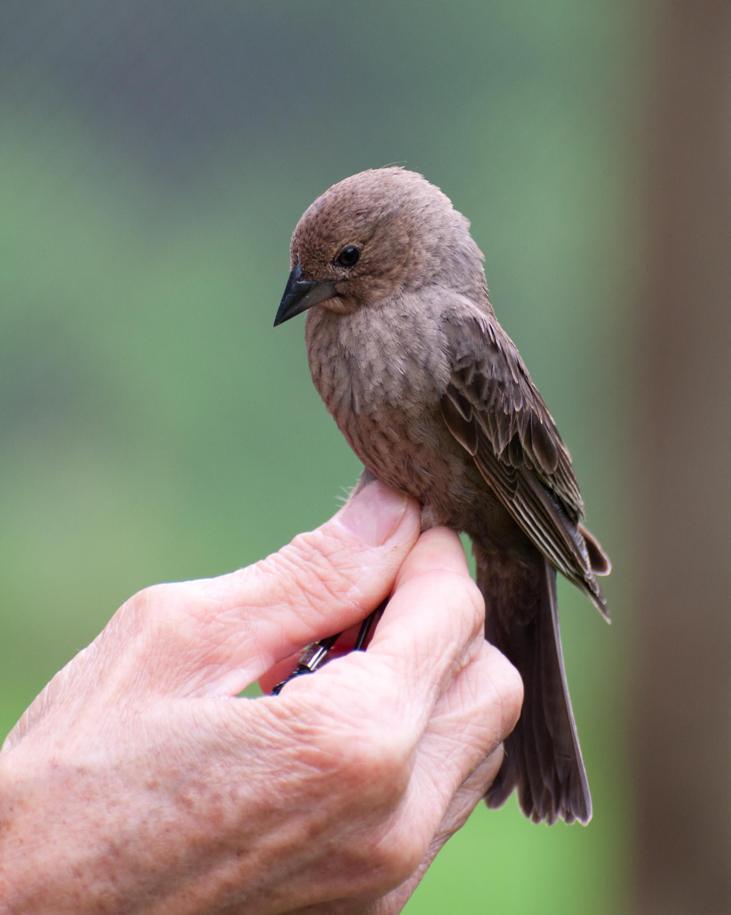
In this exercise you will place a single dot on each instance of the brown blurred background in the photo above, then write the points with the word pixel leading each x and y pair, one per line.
pixel 680 705
pixel 154 158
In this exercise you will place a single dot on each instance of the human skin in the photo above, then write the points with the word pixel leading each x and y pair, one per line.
pixel 137 782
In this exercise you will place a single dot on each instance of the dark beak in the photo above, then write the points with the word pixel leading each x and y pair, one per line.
pixel 299 295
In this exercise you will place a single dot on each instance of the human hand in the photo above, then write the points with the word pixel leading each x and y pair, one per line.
pixel 138 783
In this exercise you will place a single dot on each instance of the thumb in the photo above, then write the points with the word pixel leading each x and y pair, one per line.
pixel 323 582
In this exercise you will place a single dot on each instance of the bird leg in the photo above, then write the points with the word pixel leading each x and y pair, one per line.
pixel 368 626
pixel 311 659
pixel 315 655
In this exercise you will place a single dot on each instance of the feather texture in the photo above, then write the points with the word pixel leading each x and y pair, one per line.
pixel 543 760
pixel 494 410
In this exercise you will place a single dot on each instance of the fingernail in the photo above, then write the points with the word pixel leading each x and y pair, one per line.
pixel 374 513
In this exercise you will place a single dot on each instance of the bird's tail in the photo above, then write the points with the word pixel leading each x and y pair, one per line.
pixel 542 756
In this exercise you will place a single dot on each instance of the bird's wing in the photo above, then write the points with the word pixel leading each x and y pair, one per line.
pixel 494 410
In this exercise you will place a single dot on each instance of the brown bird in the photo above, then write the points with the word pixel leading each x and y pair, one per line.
pixel 434 398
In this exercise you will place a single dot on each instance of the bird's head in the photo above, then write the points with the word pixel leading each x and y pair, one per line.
pixel 374 236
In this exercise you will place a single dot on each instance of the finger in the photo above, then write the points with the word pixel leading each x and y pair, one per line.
pixel 440 549
pixel 224 632
pixel 463 803
pixel 469 795
pixel 421 642
pixel 474 716
pixel 457 761
pixel 434 615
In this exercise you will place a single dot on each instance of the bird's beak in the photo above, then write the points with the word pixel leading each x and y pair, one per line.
pixel 299 295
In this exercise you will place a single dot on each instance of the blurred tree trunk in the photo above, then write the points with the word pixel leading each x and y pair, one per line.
pixel 681 763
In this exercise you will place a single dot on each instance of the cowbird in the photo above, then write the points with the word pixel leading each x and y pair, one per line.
pixel 434 398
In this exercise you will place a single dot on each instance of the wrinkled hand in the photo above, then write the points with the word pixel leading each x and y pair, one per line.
pixel 137 782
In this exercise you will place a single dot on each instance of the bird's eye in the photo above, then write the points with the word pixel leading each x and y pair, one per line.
pixel 348 257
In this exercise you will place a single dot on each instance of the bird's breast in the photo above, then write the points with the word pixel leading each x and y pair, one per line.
pixel 383 386
pixel 377 360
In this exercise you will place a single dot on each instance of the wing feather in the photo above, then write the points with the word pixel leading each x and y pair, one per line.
pixel 496 413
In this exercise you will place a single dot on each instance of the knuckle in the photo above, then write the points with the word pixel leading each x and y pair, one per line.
pixel 162 611
pixel 374 768
pixel 508 688
pixel 316 569
pixel 396 856
pixel 459 593
pixel 146 604
pixel 472 598
pixel 375 860
pixel 347 738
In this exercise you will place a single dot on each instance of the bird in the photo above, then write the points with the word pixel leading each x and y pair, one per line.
pixel 434 398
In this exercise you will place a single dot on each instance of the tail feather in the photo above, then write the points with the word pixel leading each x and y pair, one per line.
pixel 600 563
pixel 542 756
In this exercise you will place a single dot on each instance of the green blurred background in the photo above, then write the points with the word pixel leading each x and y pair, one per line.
pixel 154 159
